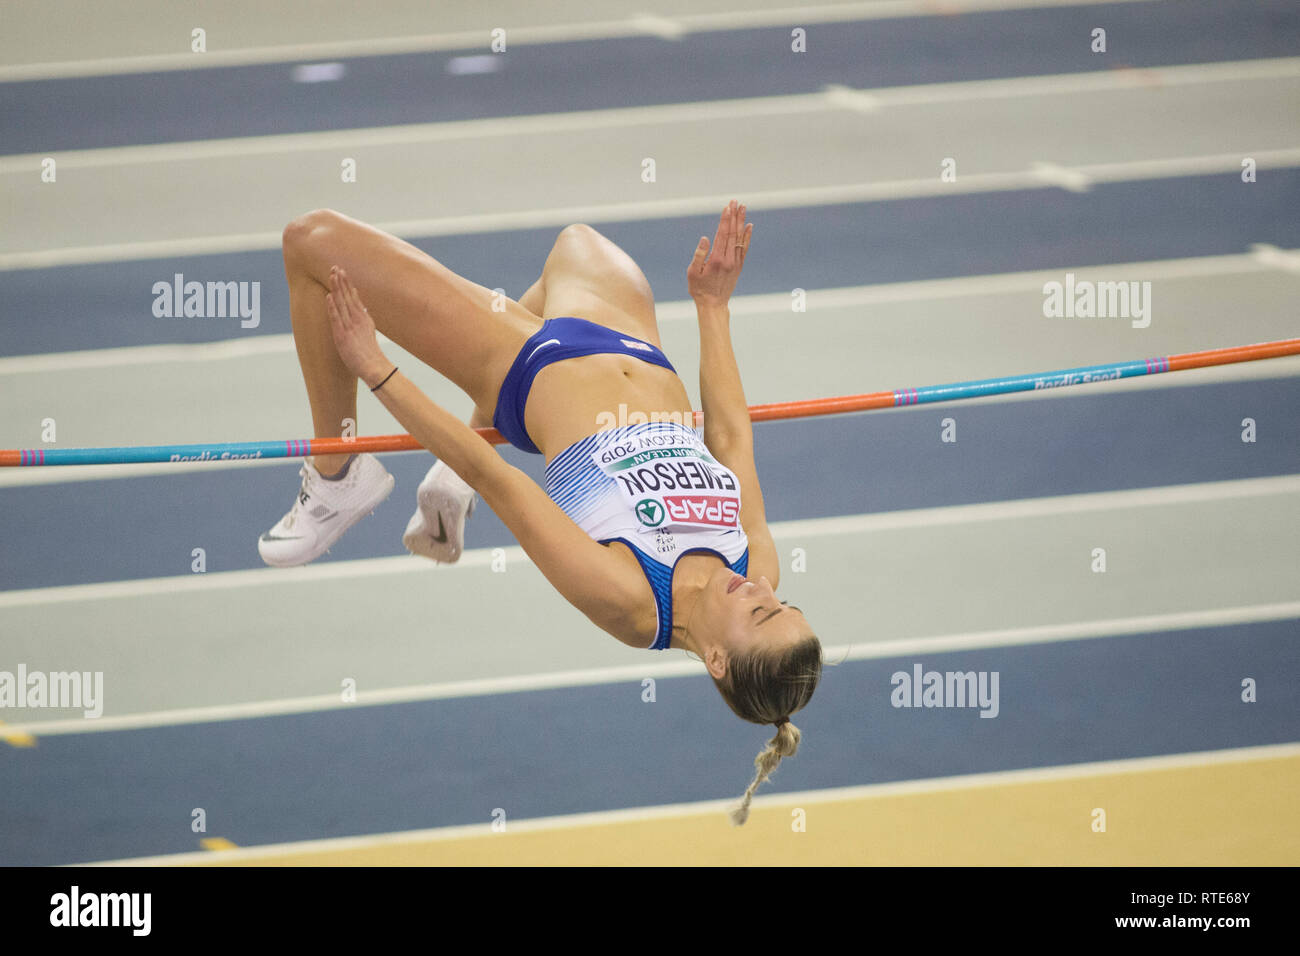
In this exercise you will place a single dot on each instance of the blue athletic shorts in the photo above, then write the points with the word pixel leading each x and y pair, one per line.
pixel 558 339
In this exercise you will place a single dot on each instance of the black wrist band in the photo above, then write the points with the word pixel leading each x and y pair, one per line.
pixel 386 378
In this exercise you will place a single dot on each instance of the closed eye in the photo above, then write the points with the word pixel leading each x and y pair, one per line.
pixel 774 613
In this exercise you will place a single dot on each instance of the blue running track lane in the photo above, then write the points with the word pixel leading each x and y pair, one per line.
pixel 79 113
pixel 106 305
pixel 118 794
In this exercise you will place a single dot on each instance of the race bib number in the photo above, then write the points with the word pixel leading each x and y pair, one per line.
pixel 671 480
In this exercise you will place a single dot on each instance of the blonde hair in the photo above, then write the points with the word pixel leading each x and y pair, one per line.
pixel 784 744
pixel 766 688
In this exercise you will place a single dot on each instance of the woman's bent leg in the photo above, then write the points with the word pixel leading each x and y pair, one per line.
pixel 461 329
pixel 331 388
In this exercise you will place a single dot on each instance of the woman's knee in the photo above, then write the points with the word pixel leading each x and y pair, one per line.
pixel 578 231
pixel 305 235
pixel 573 242
pixel 577 250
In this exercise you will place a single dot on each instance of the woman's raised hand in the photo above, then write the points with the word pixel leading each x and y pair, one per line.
pixel 354 330
pixel 711 276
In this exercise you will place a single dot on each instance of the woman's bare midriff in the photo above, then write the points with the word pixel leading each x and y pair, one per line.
pixel 578 397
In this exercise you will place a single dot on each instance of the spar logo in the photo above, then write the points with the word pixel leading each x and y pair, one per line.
pixel 715 510
pixel 649 512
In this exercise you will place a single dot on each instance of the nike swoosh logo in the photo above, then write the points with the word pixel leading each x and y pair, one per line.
pixel 542 346
pixel 441 536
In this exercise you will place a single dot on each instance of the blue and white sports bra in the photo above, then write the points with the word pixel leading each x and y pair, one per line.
pixel 656 488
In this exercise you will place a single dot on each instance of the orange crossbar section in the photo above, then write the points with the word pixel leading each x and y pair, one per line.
pixel 859 403
pixel 1240 353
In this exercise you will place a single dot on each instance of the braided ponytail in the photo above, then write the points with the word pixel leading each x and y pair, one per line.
pixel 784 744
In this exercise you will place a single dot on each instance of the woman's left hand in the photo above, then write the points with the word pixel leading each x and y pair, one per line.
pixel 354 330
pixel 711 276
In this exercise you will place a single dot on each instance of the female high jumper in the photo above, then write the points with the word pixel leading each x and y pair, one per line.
pixel 655 530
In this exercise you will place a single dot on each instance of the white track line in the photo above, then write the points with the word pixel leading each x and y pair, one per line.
pixel 557 217
pixel 1002 778
pixel 831 99
pixel 1021 509
pixel 906 647
pixel 1262 258
pixel 641 25
pixel 256 577
pixel 1288 260
pixel 247 347
pixel 1016 510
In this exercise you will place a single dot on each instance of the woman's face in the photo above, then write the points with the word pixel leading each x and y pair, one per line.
pixel 740 615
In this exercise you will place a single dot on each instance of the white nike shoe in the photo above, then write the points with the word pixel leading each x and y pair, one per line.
pixel 324 510
pixel 437 529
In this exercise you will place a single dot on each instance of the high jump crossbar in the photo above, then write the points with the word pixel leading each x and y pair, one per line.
pixel 302 447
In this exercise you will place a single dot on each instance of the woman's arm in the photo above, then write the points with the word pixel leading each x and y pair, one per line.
pixel 711 280
pixel 584 572
pixel 732 441
pixel 435 428
pixel 726 413
pixel 728 431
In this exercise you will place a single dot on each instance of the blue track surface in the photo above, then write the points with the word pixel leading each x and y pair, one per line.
pixel 103 306
pixel 580 749
pixel 50 115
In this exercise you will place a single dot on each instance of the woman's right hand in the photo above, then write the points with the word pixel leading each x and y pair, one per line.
pixel 711 278
pixel 354 330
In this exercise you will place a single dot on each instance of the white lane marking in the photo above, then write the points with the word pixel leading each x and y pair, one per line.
pixel 249 346
pixel 252 577
pixel 865 524
pixel 936 644
pixel 1263 258
pixel 1093 81
pixel 843 97
pixel 664 28
pixel 1054 175
pixel 1025 508
pixel 221 350
pixel 704 111
pixel 555 217
pixel 524 35
pixel 1287 260
pixel 1077 631
pixel 997 778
